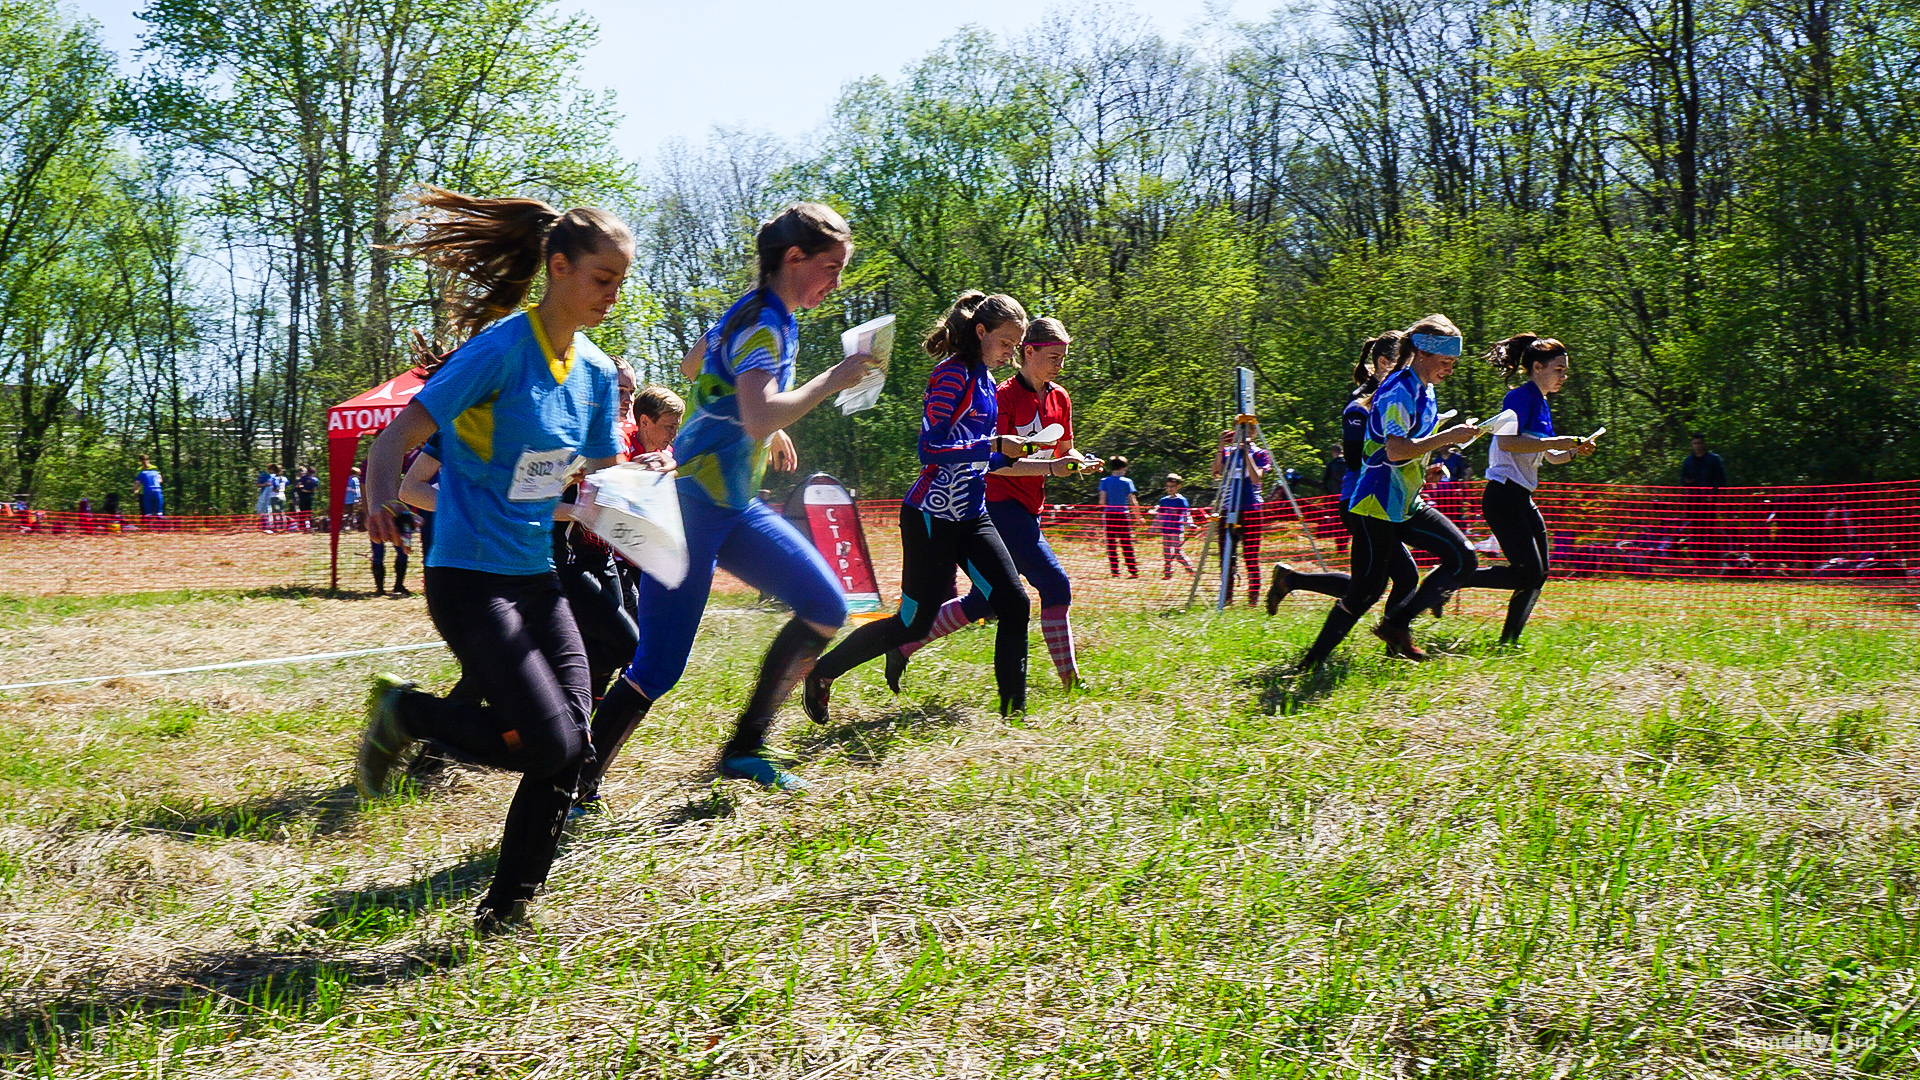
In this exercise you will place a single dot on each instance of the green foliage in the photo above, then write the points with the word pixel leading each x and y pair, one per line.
pixel 1712 202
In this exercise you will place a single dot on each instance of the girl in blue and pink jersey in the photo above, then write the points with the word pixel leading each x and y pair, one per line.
pixel 944 525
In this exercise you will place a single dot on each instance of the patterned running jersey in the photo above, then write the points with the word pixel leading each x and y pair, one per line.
pixel 960 417
pixel 1402 406
pixel 718 462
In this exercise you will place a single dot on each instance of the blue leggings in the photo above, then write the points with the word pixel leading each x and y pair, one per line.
pixel 1032 556
pixel 753 544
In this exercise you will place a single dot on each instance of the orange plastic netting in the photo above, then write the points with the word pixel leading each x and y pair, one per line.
pixel 1839 554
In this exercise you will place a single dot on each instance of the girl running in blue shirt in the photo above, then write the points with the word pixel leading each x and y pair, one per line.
pixel 1376 357
pixel 523 397
pixel 744 395
pixel 1386 501
pixel 1513 471
pixel 944 525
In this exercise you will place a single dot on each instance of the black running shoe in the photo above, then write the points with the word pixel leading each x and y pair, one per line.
pixel 814 692
pixel 492 921
pixel 1280 589
pixel 896 667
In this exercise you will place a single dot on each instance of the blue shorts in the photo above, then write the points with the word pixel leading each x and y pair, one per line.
pixel 755 545
pixel 1032 556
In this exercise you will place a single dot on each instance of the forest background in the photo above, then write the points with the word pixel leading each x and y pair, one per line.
pixel 1714 202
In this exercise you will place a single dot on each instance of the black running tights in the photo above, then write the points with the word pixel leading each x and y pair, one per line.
pixel 1522 533
pixel 933 549
pixel 518 647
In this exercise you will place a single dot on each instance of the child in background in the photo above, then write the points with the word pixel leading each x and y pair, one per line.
pixel 1173 514
pixel 352 511
pixel 1118 506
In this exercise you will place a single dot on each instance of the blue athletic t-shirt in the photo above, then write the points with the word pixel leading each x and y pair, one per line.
pixel 1536 419
pixel 1173 514
pixel 516 415
pixel 1406 407
pixel 149 481
pixel 718 462
pixel 1115 490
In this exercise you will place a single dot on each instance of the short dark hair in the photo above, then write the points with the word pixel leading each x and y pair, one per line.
pixel 1116 463
pixel 1697 435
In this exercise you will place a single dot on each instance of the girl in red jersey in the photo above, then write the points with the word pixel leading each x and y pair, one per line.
pixel 1029 401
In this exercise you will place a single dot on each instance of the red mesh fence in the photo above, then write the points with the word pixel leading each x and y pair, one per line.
pixel 1832 554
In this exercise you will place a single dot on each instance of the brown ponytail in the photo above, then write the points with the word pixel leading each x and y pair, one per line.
pixel 494 248
pixel 954 333
pixel 810 226
pixel 1517 356
pixel 1378 359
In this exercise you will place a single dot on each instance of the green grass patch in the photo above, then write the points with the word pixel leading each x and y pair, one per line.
pixel 1619 851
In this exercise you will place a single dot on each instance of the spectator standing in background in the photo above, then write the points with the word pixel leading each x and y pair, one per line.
pixel 1334 479
pixel 1703 474
pixel 304 489
pixel 263 500
pixel 1172 515
pixel 153 501
pixel 351 515
pixel 1703 468
pixel 1255 464
pixel 1118 505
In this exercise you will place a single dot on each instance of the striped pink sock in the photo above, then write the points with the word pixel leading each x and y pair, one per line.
pixel 949 618
pixel 1059 634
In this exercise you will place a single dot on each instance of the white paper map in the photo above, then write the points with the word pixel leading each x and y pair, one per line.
pixel 875 338
pixel 637 512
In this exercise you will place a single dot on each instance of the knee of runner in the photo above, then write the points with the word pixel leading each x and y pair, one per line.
pixel 560 744
pixel 825 613
pixel 1358 603
pixel 1012 605
pixel 1467 562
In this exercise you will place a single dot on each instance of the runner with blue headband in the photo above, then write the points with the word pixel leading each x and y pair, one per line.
pixel 1377 357
pixel 1386 502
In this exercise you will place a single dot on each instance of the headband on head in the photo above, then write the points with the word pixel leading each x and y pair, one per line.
pixel 1441 344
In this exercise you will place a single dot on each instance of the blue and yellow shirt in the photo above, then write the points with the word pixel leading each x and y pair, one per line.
pixel 1406 407
pixel 514 416
pixel 718 462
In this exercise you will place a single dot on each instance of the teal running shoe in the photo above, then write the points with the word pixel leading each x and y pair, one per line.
pixel 385 738
pixel 761 771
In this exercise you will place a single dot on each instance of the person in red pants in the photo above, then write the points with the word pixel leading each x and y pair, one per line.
pixel 1119 505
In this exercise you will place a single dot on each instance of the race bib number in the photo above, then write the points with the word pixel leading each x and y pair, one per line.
pixel 540 475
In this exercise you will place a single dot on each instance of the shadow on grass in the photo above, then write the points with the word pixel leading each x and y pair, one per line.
pixel 868 742
pixel 381 909
pixel 324 810
pixel 278 982
pixel 1284 690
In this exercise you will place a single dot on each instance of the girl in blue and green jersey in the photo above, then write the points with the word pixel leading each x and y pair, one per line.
pixel 1386 504
pixel 745 393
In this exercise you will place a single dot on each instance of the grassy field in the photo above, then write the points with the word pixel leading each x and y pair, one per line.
pixel 1632 849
